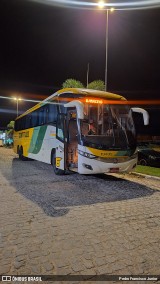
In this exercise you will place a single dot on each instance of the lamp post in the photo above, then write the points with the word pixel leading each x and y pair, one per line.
pixel 101 5
pixel 17 100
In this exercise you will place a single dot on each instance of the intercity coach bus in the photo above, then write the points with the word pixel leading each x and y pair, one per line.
pixel 82 130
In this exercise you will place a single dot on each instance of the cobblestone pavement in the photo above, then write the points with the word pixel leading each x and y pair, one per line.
pixel 76 224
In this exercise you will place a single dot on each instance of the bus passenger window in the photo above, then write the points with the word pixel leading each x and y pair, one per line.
pixel 34 119
pixel 27 121
pixel 22 123
pixel 45 114
pixel 60 130
pixel 52 113
pixel 41 116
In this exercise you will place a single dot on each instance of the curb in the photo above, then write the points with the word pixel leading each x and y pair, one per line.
pixel 146 176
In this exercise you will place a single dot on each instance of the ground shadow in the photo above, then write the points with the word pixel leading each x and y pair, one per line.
pixel 56 194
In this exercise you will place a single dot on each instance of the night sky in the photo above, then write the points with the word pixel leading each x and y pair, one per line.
pixel 41 46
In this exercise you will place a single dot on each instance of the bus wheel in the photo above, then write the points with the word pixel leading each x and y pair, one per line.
pixel 20 153
pixel 56 170
pixel 143 162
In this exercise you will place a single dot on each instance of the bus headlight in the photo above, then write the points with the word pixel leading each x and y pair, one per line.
pixel 87 155
pixel 152 157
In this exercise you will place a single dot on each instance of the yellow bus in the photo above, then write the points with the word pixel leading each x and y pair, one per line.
pixel 82 130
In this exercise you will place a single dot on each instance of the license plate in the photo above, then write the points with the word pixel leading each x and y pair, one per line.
pixel 114 170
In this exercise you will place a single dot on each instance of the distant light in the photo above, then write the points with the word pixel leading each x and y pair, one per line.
pixel 101 4
pixel 17 99
pixel 26 100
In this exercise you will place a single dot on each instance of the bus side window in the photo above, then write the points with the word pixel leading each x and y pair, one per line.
pixel 27 121
pixel 34 119
pixel 17 125
pixel 20 124
pixel 60 127
pixel 41 116
pixel 23 122
pixel 45 114
pixel 52 113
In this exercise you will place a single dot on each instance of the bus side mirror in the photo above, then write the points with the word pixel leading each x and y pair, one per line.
pixel 79 107
pixel 143 112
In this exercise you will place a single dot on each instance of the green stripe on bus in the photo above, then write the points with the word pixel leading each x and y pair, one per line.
pixel 34 139
pixel 37 139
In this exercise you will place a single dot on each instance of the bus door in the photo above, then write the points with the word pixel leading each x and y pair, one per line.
pixel 72 145
pixel 61 136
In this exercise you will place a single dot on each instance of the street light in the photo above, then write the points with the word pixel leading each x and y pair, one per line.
pixel 101 5
pixel 17 100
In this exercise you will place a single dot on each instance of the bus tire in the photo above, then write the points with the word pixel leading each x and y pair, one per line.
pixel 20 153
pixel 143 162
pixel 56 170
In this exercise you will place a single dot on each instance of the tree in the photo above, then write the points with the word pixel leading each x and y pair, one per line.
pixel 97 85
pixel 11 124
pixel 10 127
pixel 72 83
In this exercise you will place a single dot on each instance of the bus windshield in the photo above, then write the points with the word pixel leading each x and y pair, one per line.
pixel 108 127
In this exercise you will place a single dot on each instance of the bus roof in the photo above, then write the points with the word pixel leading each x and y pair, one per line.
pixel 80 91
pixel 90 92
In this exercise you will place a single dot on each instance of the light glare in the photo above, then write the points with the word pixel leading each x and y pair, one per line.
pixel 101 4
pixel 123 5
pixel 17 99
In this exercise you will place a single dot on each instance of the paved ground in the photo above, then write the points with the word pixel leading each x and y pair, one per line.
pixel 74 224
